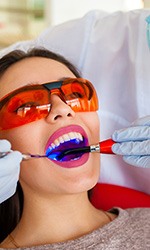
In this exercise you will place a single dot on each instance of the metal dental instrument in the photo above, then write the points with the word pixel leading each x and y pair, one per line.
pixel 24 156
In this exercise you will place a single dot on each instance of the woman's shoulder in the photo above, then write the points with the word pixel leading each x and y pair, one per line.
pixel 132 213
pixel 133 217
pixel 140 213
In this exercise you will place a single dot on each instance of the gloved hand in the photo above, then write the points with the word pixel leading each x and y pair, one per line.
pixel 9 170
pixel 134 143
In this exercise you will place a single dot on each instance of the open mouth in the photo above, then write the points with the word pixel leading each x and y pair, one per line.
pixel 73 139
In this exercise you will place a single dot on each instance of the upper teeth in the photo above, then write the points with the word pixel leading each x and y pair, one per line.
pixel 65 138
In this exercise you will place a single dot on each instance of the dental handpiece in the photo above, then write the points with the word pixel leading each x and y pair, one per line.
pixel 103 147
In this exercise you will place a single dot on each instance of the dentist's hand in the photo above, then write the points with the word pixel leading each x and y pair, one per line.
pixel 9 171
pixel 134 143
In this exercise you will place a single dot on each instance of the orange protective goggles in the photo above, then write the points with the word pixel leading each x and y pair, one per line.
pixel 31 103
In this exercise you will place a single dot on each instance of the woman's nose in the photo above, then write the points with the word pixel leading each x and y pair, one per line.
pixel 59 110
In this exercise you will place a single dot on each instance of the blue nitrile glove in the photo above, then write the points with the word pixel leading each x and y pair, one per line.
pixel 134 143
pixel 9 170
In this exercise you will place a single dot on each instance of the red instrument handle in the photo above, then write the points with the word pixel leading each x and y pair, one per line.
pixel 105 146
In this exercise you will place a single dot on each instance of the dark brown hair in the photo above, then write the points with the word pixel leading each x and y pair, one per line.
pixel 18 55
pixel 11 209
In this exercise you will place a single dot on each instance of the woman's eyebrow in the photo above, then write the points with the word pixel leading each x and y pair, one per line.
pixel 31 83
pixel 63 78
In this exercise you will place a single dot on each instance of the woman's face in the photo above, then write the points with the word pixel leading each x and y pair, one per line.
pixel 43 175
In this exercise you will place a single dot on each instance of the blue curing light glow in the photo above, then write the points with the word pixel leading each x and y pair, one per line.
pixel 54 153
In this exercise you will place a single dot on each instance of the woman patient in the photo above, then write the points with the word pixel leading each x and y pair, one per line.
pixel 45 107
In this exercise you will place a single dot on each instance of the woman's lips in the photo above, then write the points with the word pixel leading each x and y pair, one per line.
pixel 72 136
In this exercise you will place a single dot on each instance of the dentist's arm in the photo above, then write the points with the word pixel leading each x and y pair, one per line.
pixel 9 171
pixel 134 143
